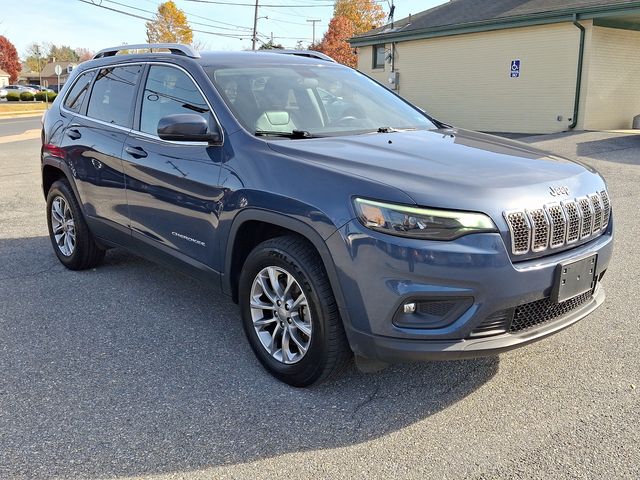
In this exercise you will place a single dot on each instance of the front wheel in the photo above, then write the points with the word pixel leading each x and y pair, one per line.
pixel 71 239
pixel 289 312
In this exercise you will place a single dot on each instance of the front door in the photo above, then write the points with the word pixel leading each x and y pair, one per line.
pixel 172 187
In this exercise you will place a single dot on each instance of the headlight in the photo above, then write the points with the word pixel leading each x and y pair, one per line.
pixel 415 222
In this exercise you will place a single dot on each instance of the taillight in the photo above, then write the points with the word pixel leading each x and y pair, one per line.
pixel 52 150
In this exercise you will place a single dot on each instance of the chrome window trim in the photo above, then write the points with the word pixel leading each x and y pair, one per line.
pixel 138 132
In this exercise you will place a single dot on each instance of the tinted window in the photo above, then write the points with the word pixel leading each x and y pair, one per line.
pixel 378 56
pixel 76 95
pixel 169 91
pixel 113 93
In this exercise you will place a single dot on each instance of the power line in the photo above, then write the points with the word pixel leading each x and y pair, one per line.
pixel 266 5
pixel 228 35
pixel 190 21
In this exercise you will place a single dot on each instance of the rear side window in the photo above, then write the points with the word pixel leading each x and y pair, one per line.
pixel 169 91
pixel 78 92
pixel 113 93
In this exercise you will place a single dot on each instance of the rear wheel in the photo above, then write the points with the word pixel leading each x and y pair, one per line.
pixel 71 239
pixel 289 312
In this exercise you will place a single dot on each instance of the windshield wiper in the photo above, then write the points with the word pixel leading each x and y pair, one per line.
pixel 295 134
pixel 393 130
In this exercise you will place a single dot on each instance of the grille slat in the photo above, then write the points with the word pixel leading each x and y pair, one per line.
pixel 574 221
pixel 587 217
pixel 540 229
pixel 606 209
pixel 558 224
pixel 520 232
pixel 597 212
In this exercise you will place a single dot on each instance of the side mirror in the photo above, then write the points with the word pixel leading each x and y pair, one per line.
pixel 186 127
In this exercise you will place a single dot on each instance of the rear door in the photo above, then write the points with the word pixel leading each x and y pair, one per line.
pixel 94 140
pixel 172 187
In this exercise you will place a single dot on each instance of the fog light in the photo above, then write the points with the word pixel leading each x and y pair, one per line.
pixel 431 312
pixel 409 308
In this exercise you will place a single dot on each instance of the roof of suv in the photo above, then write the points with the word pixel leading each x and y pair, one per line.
pixel 241 58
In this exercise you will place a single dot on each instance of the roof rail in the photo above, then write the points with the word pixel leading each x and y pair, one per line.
pixel 174 48
pixel 301 53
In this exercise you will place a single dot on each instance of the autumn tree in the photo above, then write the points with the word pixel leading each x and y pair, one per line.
pixel 350 17
pixel 335 42
pixel 62 53
pixel 169 26
pixel 9 61
pixel 84 54
pixel 363 14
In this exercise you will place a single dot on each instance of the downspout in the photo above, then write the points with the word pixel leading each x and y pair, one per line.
pixel 576 102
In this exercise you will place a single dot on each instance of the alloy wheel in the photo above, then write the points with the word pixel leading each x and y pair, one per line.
pixel 63 226
pixel 280 315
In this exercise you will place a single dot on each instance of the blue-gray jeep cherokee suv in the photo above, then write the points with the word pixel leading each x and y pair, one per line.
pixel 340 217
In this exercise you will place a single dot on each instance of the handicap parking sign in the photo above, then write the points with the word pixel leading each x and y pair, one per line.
pixel 515 68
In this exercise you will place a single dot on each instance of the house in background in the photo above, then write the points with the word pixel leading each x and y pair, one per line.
pixel 49 77
pixel 4 78
pixel 522 66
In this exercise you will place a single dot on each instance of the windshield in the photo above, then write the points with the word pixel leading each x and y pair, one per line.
pixel 317 100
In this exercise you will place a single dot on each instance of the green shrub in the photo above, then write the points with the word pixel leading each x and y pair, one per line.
pixel 13 97
pixel 26 96
pixel 46 96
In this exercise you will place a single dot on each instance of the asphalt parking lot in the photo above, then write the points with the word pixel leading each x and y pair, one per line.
pixel 132 370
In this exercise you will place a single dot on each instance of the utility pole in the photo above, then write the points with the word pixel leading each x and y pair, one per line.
pixel 313 21
pixel 255 26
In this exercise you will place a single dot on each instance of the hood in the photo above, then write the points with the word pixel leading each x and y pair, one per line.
pixel 450 168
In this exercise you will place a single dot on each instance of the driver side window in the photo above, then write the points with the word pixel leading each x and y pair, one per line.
pixel 169 91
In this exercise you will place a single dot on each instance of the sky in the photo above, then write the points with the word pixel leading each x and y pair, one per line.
pixel 85 23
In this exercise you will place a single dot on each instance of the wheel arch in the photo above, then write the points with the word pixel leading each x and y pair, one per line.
pixel 54 169
pixel 275 224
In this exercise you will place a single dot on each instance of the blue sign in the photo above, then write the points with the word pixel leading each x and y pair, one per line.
pixel 515 68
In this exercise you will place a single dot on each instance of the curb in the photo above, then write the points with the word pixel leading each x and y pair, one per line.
pixel 9 115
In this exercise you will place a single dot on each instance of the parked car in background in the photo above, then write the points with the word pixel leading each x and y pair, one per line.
pixel 20 89
pixel 340 217
pixel 3 93
pixel 39 88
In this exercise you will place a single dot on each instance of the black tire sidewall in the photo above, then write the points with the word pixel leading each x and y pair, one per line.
pixel 311 366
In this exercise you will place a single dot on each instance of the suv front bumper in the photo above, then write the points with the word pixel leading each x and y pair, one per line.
pixel 379 273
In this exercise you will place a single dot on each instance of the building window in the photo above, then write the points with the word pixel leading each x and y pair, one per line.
pixel 379 54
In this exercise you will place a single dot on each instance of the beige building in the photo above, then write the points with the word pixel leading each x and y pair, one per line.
pixel 4 78
pixel 525 66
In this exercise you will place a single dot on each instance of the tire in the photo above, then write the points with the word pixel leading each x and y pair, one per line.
pixel 327 350
pixel 80 251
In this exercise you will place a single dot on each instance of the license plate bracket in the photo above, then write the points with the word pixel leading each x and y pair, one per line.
pixel 574 278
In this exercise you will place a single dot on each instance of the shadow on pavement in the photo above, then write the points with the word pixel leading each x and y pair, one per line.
pixel 131 369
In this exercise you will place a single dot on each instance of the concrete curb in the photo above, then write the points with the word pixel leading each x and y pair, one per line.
pixel 8 115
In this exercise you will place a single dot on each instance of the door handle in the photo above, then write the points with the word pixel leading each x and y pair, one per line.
pixel 136 152
pixel 74 134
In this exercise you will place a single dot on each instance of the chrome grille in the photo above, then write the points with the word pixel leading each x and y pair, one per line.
pixel 596 203
pixel 558 224
pixel 587 217
pixel 606 206
pixel 520 232
pixel 540 233
pixel 574 221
